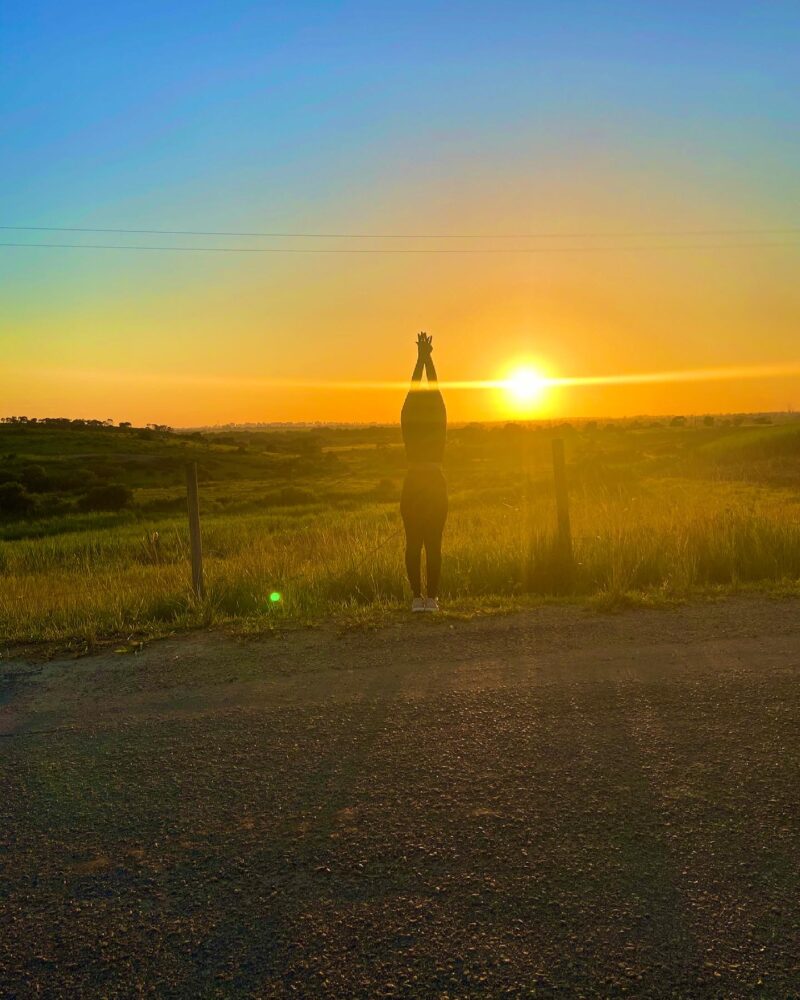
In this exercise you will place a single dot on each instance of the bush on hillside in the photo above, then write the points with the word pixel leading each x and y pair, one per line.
pixel 112 496
pixel 15 501
pixel 35 478
pixel 72 480
pixel 290 496
pixel 386 490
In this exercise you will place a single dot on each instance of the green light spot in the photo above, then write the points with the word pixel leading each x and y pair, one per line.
pixel 274 596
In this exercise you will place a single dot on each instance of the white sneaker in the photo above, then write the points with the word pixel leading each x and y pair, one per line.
pixel 418 604
pixel 431 604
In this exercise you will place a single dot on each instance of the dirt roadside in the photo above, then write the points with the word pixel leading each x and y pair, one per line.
pixel 204 672
pixel 553 803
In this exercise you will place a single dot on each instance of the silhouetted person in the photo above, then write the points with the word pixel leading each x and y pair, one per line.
pixel 423 503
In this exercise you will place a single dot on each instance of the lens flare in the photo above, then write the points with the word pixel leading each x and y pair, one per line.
pixel 524 388
pixel 525 383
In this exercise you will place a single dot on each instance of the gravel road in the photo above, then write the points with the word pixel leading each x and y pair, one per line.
pixel 550 803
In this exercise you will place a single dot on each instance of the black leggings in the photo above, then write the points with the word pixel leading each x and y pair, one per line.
pixel 423 505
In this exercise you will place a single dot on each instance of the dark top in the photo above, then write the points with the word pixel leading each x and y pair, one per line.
pixel 423 421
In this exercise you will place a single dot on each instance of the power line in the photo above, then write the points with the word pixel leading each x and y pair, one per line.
pixel 607 234
pixel 405 250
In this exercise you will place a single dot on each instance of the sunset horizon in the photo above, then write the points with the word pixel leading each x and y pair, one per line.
pixel 399 499
pixel 290 195
pixel 771 389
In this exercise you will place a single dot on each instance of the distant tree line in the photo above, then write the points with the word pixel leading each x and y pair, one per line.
pixel 81 423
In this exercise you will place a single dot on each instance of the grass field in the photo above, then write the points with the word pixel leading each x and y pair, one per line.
pixel 658 512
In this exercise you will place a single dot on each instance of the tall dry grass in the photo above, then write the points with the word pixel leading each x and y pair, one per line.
pixel 670 539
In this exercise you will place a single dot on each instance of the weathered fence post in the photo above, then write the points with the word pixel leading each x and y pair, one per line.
pixel 198 584
pixel 562 500
pixel 527 508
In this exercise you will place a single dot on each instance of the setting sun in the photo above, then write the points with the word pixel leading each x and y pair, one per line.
pixel 524 388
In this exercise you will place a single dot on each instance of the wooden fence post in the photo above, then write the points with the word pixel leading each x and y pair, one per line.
pixel 562 500
pixel 528 549
pixel 198 584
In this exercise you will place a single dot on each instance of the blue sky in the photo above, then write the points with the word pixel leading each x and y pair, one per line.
pixel 487 117
pixel 159 106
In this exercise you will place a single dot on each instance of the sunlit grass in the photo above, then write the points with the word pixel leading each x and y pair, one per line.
pixel 669 539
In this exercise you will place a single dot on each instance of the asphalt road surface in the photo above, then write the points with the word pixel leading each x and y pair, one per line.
pixel 555 803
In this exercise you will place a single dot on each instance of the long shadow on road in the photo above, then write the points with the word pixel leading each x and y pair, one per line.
pixel 532 828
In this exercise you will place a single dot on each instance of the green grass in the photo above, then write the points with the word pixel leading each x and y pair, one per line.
pixel 672 539
pixel 653 521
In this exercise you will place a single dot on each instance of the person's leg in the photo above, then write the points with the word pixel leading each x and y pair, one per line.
pixel 410 512
pixel 414 561
pixel 434 529
pixel 433 561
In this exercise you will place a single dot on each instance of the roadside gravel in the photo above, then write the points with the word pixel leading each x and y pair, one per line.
pixel 551 804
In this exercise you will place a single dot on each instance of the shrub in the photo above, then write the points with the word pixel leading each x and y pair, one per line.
pixel 15 500
pixel 112 496
pixel 386 490
pixel 290 496
pixel 103 470
pixel 72 480
pixel 35 478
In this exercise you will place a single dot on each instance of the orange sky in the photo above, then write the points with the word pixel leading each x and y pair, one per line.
pixel 655 124
pixel 198 341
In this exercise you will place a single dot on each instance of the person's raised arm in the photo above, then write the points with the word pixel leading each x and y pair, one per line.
pixel 430 371
pixel 423 357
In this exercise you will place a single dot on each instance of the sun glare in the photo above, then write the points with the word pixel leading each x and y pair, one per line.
pixel 524 388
